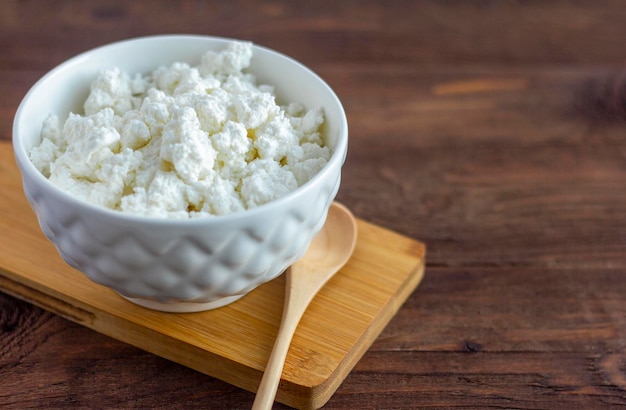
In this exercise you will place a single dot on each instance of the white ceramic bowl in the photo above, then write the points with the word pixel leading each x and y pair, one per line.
pixel 178 265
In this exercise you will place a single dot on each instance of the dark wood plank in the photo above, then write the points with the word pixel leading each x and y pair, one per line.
pixel 49 362
pixel 521 173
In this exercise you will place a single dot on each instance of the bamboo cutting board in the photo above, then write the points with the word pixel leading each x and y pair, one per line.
pixel 232 343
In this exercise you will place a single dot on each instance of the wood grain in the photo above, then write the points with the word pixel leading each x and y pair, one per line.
pixel 493 131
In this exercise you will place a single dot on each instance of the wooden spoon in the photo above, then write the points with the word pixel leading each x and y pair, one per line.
pixel 329 251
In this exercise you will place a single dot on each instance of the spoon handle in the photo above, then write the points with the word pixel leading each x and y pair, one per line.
pixel 330 250
pixel 292 313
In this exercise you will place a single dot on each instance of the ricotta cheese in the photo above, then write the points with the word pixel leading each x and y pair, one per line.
pixel 183 141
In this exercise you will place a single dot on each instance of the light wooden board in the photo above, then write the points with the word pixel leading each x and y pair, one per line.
pixel 232 343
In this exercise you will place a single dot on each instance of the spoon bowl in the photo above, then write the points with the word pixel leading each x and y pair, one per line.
pixel 328 253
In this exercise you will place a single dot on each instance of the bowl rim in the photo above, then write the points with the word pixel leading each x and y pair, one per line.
pixel 338 154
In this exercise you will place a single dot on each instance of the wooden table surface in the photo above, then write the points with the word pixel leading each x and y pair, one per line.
pixel 493 131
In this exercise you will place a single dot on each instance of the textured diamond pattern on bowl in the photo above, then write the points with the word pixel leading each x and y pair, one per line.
pixel 184 267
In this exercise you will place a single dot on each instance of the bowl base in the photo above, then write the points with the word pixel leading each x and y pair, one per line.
pixel 183 307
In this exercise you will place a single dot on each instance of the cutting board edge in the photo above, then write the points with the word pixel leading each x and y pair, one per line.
pixel 44 298
pixel 291 394
pixel 321 394
pixel 127 332
pixel 239 374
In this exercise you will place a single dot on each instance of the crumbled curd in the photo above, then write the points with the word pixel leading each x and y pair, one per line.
pixel 183 141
